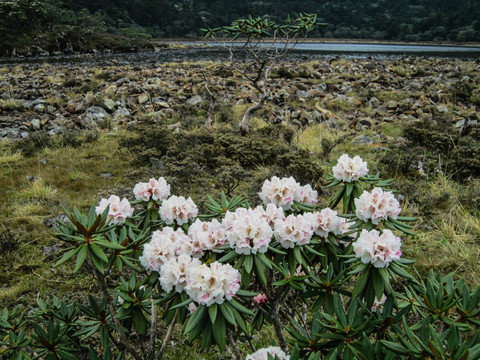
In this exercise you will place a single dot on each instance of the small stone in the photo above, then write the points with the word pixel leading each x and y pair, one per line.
pixel 442 109
pixel 40 108
pixel 392 105
pixel 42 161
pixel 35 124
pixel 195 100
pixel 111 90
pixel 374 102
pixel 362 140
pixel 24 134
pixel 142 98
pixel 106 175
pixel 109 104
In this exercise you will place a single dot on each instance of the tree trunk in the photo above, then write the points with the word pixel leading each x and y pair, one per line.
pixel 248 114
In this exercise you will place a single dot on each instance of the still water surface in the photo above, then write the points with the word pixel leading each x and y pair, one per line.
pixel 302 51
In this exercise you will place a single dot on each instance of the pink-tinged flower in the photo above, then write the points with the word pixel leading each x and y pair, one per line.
pixel 166 244
pixel 271 213
pixel 280 192
pixel 178 209
pixel 173 273
pixel 118 210
pixel 377 206
pixel 293 230
pixel 207 235
pixel 324 222
pixel 378 249
pixel 260 298
pixel 274 351
pixel 142 191
pixel 216 283
pixel 155 189
pixel 305 194
pixel 192 307
pixel 378 304
pixel 247 232
pixel 348 169
pixel 160 189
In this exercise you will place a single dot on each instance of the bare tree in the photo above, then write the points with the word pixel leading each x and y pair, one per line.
pixel 264 43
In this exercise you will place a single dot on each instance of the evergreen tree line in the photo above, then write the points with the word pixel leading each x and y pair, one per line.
pixel 74 21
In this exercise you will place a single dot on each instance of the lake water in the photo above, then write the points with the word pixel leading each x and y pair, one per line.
pixel 206 51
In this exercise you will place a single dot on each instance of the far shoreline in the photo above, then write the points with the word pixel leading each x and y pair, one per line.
pixel 158 41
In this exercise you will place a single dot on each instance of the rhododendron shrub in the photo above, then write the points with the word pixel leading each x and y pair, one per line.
pixel 328 283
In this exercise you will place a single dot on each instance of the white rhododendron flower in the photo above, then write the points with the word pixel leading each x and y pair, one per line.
pixel 247 232
pixel 160 189
pixel 262 354
pixel 280 192
pixel 216 283
pixel 325 222
pixel 155 189
pixel 377 249
pixel 305 194
pixel 142 191
pixel 293 230
pixel 271 213
pixel 173 273
pixel 118 211
pixel 378 304
pixel 178 209
pixel 159 250
pixel 348 169
pixel 165 245
pixel 377 205
pixel 207 235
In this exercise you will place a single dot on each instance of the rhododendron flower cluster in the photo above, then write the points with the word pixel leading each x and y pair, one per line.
pixel 293 230
pixel 262 354
pixel 165 245
pixel 216 283
pixel 377 205
pixel 155 189
pixel 118 210
pixel 283 192
pixel 377 248
pixel 325 222
pixel 177 209
pixel 207 235
pixel 348 169
pixel 173 273
pixel 248 231
pixel 260 298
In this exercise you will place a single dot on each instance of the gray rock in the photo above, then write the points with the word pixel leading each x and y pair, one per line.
pixel 373 102
pixel 40 108
pixel 195 100
pixel 392 105
pixel 442 109
pixel 121 113
pixel 35 124
pixel 143 98
pixel 94 116
pixel 24 134
pixel 109 104
pixel 106 175
pixel 362 140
